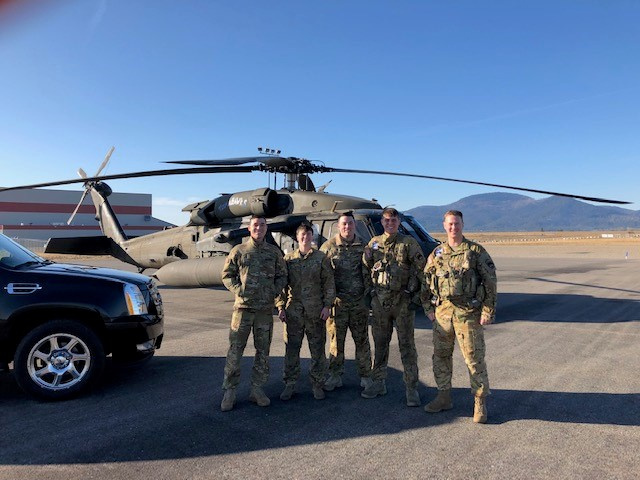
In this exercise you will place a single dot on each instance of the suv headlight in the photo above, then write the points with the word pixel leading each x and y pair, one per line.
pixel 135 300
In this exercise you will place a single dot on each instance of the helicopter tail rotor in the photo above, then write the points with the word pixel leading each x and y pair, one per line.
pixel 82 174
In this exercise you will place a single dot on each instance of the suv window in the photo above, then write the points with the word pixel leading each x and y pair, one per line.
pixel 13 255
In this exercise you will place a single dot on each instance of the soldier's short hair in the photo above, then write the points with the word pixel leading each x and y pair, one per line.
pixel 304 227
pixel 257 216
pixel 455 213
pixel 390 212
pixel 346 214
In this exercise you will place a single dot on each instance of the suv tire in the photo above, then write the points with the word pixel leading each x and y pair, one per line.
pixel 58 359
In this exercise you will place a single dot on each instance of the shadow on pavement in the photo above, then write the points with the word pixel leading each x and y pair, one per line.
pixel 540 307
pixel 170 409
pixel 567 407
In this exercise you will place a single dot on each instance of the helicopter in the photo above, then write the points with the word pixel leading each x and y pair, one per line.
pixel 193 255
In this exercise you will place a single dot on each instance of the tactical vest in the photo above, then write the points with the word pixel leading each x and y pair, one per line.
pixel 391 265
pixel 454 276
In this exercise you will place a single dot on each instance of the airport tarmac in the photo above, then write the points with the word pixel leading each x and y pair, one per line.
pixel 562 361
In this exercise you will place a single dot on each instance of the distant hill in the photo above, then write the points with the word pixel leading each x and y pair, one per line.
pixel 504 212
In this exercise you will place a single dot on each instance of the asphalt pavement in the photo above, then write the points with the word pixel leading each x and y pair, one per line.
pixel 565 400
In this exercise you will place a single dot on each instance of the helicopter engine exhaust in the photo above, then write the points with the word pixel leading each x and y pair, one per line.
pixel 262 201
pixel 197 272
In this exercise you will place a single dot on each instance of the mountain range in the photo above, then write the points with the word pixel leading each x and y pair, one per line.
pixel 505 212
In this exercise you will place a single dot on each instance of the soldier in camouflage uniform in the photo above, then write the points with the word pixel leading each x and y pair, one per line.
pixel 345 252
pixel 395 262
pixel 255 272
pixel 459 296
pixel 309 297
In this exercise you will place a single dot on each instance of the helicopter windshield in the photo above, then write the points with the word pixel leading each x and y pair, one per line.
pixel 408 226
pixel 412 225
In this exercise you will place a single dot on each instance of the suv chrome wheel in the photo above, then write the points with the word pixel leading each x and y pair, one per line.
pixel 58 359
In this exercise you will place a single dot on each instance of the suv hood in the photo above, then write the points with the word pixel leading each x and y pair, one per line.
pixel 90 272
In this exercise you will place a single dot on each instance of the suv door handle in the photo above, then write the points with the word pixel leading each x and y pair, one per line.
pixel 22 288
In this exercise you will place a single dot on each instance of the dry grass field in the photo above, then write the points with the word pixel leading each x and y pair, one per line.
pixel 601 244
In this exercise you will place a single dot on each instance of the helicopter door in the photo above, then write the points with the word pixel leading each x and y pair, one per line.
pixel 329 229
pixel 285 242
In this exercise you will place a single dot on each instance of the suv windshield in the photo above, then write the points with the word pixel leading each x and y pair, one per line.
pixel 13 255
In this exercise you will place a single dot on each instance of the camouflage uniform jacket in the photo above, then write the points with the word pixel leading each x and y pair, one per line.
pixel 310 281
pixel 352 278
pixel 256 273
pixel 466 277
pixel 395 264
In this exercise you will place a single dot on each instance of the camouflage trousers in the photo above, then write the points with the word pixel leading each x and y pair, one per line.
pixel 384 318
pixel 354 317
pixel 243 321
pixel 464 324
pixel 299 323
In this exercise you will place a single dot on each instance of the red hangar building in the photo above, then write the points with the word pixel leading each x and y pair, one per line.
pixel 43 213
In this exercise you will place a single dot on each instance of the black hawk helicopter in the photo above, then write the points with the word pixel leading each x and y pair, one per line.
pixel 192 255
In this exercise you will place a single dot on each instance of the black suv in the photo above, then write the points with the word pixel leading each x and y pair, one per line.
pixel 59 322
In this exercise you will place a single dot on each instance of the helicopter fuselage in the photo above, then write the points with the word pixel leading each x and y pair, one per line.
pixel 193 255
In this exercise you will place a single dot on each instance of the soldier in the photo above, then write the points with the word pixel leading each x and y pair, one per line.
pixel 459 297
pixel 345 252
pixel 309 297
pixel 255 272
pixel 395 262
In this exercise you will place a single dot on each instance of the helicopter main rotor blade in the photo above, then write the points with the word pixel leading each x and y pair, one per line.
pixel 148 173
pixel 222 161
pixel 272 161
pixel 510 187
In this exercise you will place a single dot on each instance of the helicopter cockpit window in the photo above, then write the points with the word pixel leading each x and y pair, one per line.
pixel 362 230
pixel 330 230
pixel 316 235
pixel 377 226
pixel 288 243
pixel 414 228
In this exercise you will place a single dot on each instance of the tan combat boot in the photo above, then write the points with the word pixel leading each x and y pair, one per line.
pixel 441 402
pixel 333 382
pixel 288 392
pixel 229 400
pixel 377 387
pixel 258 396
pixel 480 410
pixel 318 392
pixel 413 397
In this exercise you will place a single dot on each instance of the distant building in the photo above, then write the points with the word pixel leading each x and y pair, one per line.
pixel 43 213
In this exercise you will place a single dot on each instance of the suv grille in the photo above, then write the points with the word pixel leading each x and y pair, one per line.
pixel 155 298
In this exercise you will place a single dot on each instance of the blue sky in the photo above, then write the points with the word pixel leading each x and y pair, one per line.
pixel 542 94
